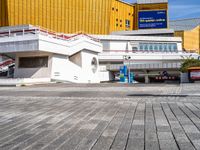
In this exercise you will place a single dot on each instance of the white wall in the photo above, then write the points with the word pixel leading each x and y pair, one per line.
pixel 44 72
pixel 179 46
pixel 69 47
pixel 108 57
pixel 106 76
pixel 65 70
pixel 60 68
pixel 41 42
pixel 119 45
pixel 87 57
pixel 125 45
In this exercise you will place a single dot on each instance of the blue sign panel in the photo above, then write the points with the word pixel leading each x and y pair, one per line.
pixel 152 19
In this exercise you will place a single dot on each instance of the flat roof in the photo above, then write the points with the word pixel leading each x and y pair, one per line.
pixel 18 27
pixel 138 38
pixel 184 24
pixel 144 32
pixel 151 1
pixel 143 1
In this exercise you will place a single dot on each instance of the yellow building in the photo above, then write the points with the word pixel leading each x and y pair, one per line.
pixel 70 16
pixel 122 16
pixel 189 30
pixel 191 39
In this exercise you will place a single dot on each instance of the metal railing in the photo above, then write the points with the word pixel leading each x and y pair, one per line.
pixel 140 51
pixel 146 66
pixel 5 64
pixel 45 32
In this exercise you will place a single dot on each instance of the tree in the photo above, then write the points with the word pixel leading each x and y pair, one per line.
pixel 188 63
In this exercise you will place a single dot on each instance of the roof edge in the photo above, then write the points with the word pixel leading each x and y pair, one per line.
pixel 184 19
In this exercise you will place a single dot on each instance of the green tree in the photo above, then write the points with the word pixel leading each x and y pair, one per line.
pixel 188 63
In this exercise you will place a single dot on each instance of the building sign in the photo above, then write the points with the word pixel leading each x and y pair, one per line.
pixel 152 19
pixel 195 75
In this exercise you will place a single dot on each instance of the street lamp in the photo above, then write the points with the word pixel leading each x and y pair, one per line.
pixel 128 58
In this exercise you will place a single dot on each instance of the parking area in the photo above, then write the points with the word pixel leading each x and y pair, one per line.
pixel 100 117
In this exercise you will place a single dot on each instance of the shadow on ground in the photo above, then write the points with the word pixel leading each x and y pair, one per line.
pixel 158 95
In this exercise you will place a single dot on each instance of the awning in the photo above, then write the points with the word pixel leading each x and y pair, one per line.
pixel 194 68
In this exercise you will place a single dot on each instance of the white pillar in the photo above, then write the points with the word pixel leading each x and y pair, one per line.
pixel 147 79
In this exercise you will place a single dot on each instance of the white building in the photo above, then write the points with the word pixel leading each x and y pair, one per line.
pixel 150 55
pixel 44 56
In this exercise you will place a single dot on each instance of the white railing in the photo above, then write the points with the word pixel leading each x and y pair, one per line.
pixel 45 32
pixel 139 51
pixel 147 66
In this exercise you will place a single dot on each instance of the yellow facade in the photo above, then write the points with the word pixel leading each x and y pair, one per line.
pixel 3 13
pixel 72 16
pixel 68 16
pixel 121 12
pixel 191 39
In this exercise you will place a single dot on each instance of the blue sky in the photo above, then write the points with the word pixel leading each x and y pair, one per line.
pixel 179 9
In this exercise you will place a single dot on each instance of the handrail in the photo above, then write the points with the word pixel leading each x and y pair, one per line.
pixel 6 63
pixel 44 31
pixel 145 66
pixel 141 51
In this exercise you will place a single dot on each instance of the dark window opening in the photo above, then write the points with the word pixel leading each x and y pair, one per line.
pixel 33 62
pixel 134 48
pixel 127 23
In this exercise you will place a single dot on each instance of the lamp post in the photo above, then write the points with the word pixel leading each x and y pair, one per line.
pixel 128 58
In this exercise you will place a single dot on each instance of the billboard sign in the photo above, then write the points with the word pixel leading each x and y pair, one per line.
pixel 195 75
pixel 152 19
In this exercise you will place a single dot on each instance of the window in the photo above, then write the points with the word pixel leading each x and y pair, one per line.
pixel 146 47
pixel 33 62
pixel 156 47
pixel 116 19
pixel 175 48
pixel 113 8
pixel 127 23
pixel 134 48
pixel 151 47
pixel 141 47
pixel 165 47
pixel 116 9
pixel 117 24
pixel 170 47
pixel 160 47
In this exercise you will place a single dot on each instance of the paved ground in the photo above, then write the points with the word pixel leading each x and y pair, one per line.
pixel 100 117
